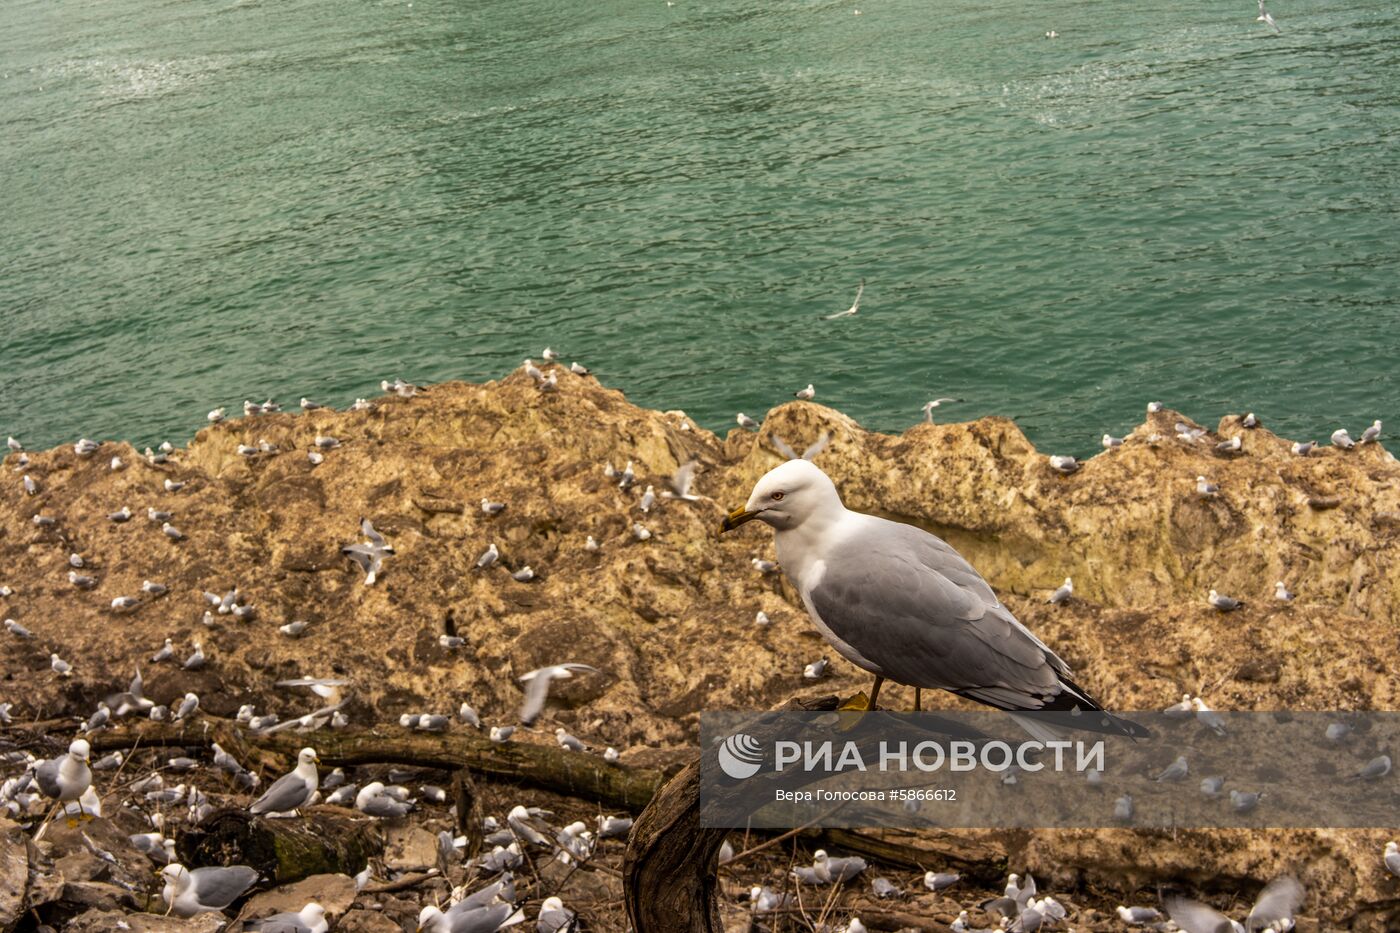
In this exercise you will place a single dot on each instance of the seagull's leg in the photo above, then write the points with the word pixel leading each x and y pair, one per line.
pixel 918 691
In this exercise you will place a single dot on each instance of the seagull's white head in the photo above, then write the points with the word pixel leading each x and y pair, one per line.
pixel 1392 848
pixel 786 496
pixel 430 918
pixel 176 874
pixel 79 750
pixel 307 756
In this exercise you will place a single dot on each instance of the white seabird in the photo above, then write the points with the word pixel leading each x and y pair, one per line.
pixel 204 890
pixel 293 790
pixel 901 603
pixel 855 306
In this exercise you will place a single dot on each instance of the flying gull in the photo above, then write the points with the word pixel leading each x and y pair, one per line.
pixel 901 603
pixel 855 306
pixel 681 482
pixel 811 453
pixel 931 405
pixel 537 686
pixel 1264 17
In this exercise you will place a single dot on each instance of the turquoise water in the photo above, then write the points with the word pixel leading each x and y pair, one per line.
pixel 206 201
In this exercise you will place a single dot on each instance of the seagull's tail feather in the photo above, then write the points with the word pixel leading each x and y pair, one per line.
pixel 1071 708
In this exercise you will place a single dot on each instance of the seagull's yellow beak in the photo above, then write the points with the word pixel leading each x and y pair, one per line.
pixel 316 758
pixel 736 518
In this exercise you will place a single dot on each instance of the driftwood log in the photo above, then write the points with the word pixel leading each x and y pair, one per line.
pixel 670 870
pixel 324 840
pixel 670 882
pixel 584 776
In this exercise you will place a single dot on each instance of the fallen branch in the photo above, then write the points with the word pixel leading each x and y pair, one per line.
pixel 573 774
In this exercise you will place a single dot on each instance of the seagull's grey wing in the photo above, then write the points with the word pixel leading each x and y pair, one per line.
pixel 1195 917
pixel 375 538
pixel 683 478
pixel 1279 899
pixel 781 446
pixel 286 793
pixel 219 887
pixel 483 919
pixel 536 692
pixel 46 776
pixel 817 446
pixel 361 555
pixel 914 608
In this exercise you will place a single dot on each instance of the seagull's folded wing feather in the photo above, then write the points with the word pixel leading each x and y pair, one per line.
pixel 1195 917
pixel 219 887
pixel 910 604
pixel 286 793
pixel 46 776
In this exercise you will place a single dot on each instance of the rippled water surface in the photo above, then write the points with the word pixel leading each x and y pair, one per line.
pixel 209 200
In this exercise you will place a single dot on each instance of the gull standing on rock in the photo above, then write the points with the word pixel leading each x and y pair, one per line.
pixel 1281 592
pixel 1303 448
pixel 293 790
pixel 1065 591
pixel 65 778
pixel 488 557
pixel 1373 433
pixel 1110 442
pixel 806 394
pixel 1206 490
pixel 1392 858
pixel 1065 465
pixel 747 423
pixel 901 603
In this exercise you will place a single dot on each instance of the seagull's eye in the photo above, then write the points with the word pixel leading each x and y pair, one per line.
pixel 778 496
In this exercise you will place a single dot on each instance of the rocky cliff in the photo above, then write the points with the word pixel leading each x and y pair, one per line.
pixel 670 619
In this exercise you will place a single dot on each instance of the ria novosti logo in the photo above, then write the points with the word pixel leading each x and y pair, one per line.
pixel 740 756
